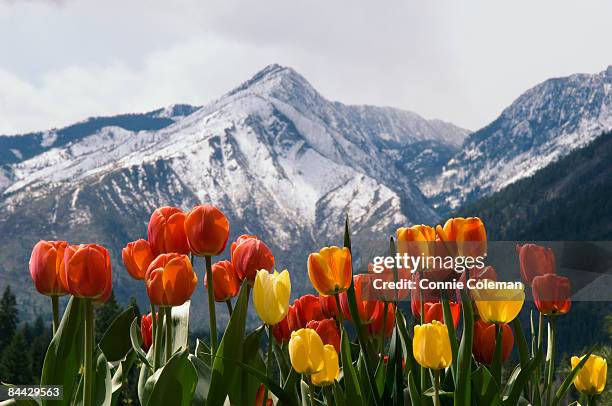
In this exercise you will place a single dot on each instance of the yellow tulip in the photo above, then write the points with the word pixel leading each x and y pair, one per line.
pixel 431 345
pixel 306 351
pixel 331 369
pixel 591 379
pixel 271 296
pixel 498 305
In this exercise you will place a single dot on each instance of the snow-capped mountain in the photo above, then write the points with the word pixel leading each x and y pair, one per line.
pixel 279 159
pixel 543 124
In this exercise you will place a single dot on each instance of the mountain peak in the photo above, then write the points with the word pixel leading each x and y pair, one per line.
pixel 273 78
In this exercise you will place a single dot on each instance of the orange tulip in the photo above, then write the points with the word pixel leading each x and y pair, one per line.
pixel 367 308
pixel 250 256
pixel 146 330
pixel 535 260
pixel 167 231
pixel 305 309
pixel 328 331
pixel 170 280
pixel 207 230
pixel 330 270
pixel 468 234
pixel 46 266
pixel 551 294
pixel 87 272
pixel 416 240
pixel 137 256
pixel 375 328
pixel 226 283
pixel 485 337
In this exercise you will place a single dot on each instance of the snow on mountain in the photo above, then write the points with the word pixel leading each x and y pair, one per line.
pixel 543 124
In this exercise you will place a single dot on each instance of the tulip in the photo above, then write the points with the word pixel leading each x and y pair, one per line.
pixel 416 240
pixel 281 330
pixel 87 272
pixel 167 231
pixel 225 281
pixel 485 337
pixel 551 294
pixel 261 393
pixel 591 380
pixel 328 306
pixel 305 309
pixel 435 311
pixel 376 327
pixel 367 308
pixel 240 240
pixel 498 305
pixel 271 296
pixel 535 260
pixel 468 234
pixel 207 230
pixel 137 256
pixel 46 267
pixel 250 256
pixel 170 280
pixel 431 345
pixel 331 368
pixel 328 331
pixel 146 330
pixel 330 270
pixel 428 295
pixel 306 351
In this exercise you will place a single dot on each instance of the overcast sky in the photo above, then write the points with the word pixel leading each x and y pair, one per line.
pixel 461 61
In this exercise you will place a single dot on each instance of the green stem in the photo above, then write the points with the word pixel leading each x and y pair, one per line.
pixel 384 327
pixel 329 396
pixel 229 307
pixel 88 372
pixel 211 308
pixel 311 391
pixel 153 325
pixel 422 305
pixel 55 305
pixel 244 374
pixel 268 363
pixel 551 361
pixel 498 355
pixel 340 317
pixel 157 342
pixel 168 312
pixel 437 387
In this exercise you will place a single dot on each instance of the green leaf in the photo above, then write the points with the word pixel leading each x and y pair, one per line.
pixel 202 351
pixel 339 397
pixel 463 389
pixel 394 382
pixel 173 384
pixel 496 365
pixel 415 397
pixel 570 378
pixel 304 390
pixel 121 374
pixel 65 353
pixel 519 335
pixel 136 340
pixel 283 364
pixel 452 335
pixel 116 342
pixel 522 379
pixel 411 364
pixel 204 375
pixel 252 357
pixel 180 326
pixel 352 388
pixel 485 390
pixel 223 370
pixel 102 383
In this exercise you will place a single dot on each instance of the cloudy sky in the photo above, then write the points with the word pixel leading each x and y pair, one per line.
pixel 462 61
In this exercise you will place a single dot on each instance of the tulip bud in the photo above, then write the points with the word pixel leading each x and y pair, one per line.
pixel 535 260
pixel 146 331
pixel 87 272
pixel 551 294
pixel 431 345
pixel 271 294
pixel 485 337
pixel 207 230
pixel 331 368
pixel 226 283
pixel 167 231
pixel 328 331
pixel 367 308
pixel 591 380
pixel 137 256
pixel 170 280
pixel 330 270
pixel 306 351
pixel 498 305
pixel 46 266
pixel 250 256
pixel 306 308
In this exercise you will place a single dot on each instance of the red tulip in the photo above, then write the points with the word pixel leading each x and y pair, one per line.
pixel 281 330
pixel 226 283
pixel 167 231
pixel 429 295
pixel 485 336
pixel 551 294
pixel 137 256
pixel 305 309
pixel 250 256
pixel 327 330
pixel 535 260
pixel 240 240
pixel 375 328
pixel 435 311
pixel 207 230
pixel 46 266
pixel 367 308
pixel 87 272
pixel 170 280
pixel 329 306
pixel 260 397
pixel 146 331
